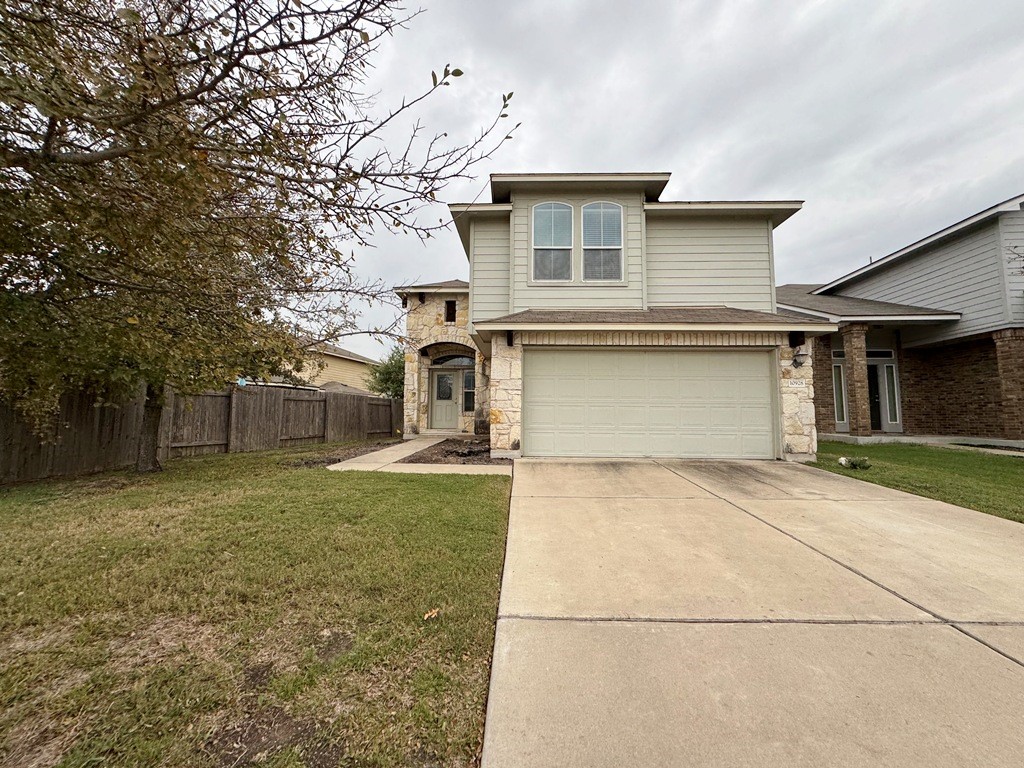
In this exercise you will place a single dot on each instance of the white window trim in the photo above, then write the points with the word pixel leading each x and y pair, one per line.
pixel 571 248
pixel 622 245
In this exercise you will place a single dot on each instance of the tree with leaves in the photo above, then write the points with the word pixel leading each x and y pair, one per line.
pixel 388 376
pixel 179 180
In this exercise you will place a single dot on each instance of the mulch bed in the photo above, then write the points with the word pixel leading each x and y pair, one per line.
pixel 455 451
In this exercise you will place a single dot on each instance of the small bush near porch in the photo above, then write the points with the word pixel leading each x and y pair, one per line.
pixel 248 608
pixel 987 482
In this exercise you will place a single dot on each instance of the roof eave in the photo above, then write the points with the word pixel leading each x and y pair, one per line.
pixel 937 317
pixel 463 213
pixel 409 290
pixel 777 211
pixel 814 328
pixel 653 184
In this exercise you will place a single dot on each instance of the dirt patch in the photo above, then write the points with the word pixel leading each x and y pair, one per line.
pixel 269 732
pixel 258 675
pixel 333 643
pixel 456 451
pixel 161 640
pixel 344 454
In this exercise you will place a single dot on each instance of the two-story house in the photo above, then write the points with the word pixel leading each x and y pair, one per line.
pixel 931 337
pixel 600 320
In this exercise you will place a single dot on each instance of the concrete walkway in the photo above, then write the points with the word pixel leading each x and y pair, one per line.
pixel 751 614
pixel 386 460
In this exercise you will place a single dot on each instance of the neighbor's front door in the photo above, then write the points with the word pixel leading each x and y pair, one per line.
pixel 444 412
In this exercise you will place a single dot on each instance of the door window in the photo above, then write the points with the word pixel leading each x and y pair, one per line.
pixel 444 386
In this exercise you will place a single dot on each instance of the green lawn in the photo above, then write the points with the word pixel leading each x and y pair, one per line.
pixel 248 607
pixel 987 482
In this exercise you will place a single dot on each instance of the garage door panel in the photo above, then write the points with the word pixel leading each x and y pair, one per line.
pixel 754 417
pixel 627 416
pixel 647 402
pixel 602 389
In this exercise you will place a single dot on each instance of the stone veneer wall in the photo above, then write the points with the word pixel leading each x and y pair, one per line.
pixel 425 325
pixel 796 397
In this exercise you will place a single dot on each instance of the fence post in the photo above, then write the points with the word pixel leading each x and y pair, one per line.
pixel 163 450
pixel 397 417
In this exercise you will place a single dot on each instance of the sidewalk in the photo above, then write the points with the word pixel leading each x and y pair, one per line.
pixel 385 460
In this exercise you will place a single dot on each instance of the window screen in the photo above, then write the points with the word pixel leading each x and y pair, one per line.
pixel 552 241
pixel 602 241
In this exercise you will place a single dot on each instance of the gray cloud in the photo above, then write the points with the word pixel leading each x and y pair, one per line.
pixel 891 120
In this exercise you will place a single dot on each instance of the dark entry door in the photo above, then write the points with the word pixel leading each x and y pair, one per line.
pixel 874 397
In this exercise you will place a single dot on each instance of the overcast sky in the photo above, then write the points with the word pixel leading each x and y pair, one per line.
pixel 890 119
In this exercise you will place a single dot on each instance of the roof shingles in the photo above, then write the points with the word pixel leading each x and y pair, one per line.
pixel 653 316
pixel 800 296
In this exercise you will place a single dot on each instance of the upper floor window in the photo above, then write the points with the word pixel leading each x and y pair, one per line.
pixel 552 241
pixel 449 311
pixel 602 241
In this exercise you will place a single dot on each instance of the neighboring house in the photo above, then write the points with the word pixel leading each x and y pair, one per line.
pixel 931 337
pixel 343 371
pixel 602 321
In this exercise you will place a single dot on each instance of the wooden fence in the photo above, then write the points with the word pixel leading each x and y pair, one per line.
pixel 94 438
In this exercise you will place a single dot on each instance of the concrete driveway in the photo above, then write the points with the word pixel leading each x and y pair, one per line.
pixel 677 613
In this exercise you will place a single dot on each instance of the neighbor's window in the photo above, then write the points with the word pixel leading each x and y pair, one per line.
pixel 449 311
pixel 468 391
pixel 602 241
pixel 552 241
pixel 839 392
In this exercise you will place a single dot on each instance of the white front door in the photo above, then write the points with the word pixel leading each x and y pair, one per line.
pixel 444 399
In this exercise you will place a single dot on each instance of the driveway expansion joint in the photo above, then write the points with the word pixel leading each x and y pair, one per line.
pixel 940 619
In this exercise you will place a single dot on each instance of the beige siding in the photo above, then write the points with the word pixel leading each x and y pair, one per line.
pixel 709 261
pixel 490 269
pixel 1013 237
pixel 344 371
pixel 963 275
pixel 577 295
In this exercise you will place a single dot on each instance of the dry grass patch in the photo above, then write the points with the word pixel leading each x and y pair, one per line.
pixel 248 609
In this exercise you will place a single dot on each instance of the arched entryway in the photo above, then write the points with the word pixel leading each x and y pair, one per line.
pixel 451 385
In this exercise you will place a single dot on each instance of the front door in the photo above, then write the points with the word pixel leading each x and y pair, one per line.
pixel 874 398
pixel 444 413
pixel 884 392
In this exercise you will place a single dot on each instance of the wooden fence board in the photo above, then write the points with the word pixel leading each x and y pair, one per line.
pixel 93 438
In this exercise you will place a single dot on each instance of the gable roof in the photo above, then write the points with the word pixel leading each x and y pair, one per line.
pixel 330 349
pixel 801 297
pixel 1007 206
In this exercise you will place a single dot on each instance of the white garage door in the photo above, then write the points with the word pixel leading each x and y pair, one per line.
pixel 649 402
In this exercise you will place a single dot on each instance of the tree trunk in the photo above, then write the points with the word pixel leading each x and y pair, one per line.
pixel 149 439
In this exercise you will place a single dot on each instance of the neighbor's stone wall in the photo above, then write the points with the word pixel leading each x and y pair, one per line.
pixel 425 326
pixel 798 433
